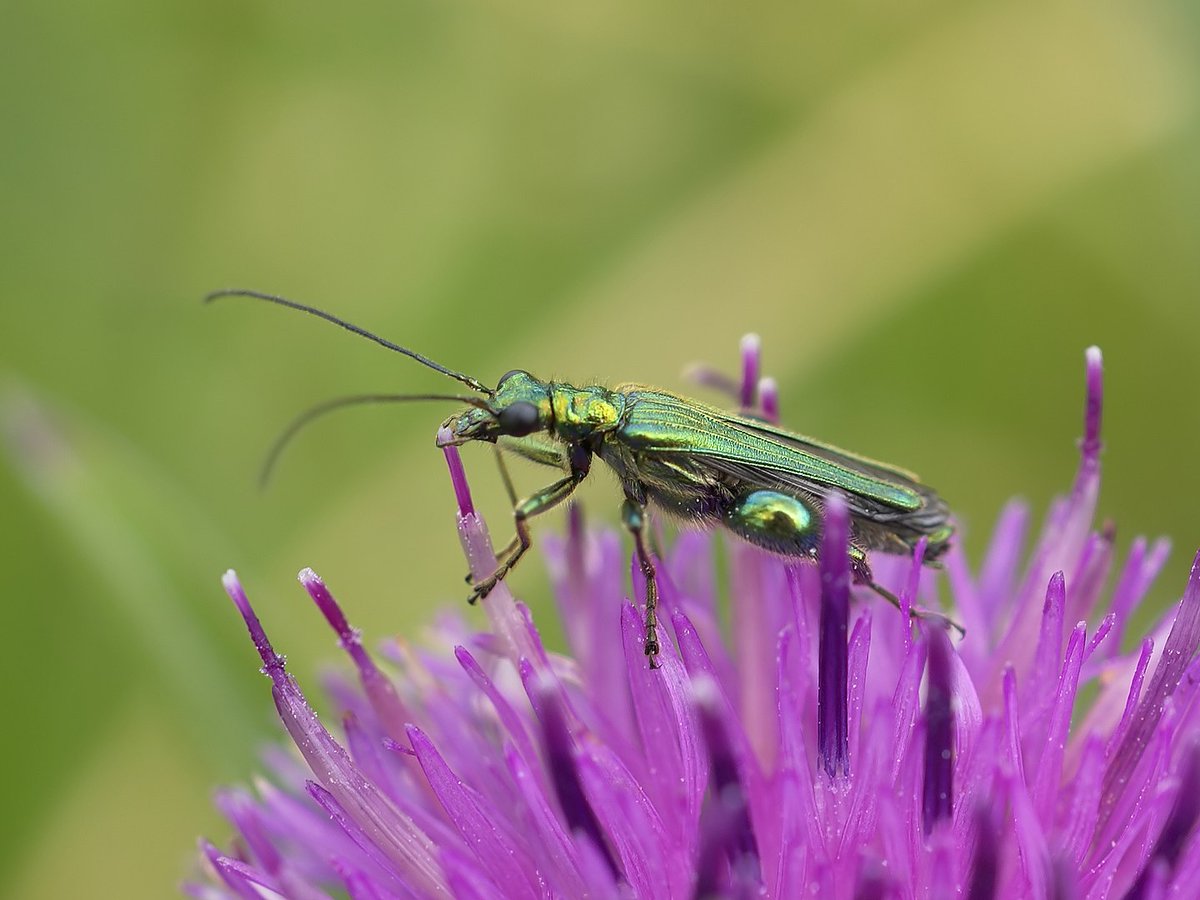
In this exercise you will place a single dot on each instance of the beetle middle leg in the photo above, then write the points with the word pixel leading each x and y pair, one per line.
pixel 914 612
pixel 633 515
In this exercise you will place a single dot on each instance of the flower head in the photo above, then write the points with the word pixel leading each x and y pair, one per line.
pixel 822 744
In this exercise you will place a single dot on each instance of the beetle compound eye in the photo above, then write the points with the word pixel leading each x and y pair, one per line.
pixel 509 374
pixel 518 419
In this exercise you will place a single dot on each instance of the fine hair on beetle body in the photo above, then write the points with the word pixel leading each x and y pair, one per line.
pixel 687 459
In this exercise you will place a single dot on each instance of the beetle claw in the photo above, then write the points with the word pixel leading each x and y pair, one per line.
pixel 482 589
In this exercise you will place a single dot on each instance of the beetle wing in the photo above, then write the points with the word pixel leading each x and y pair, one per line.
pixel 757 452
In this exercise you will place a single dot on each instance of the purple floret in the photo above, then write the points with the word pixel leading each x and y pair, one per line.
pixel 833 739
pixel 822 745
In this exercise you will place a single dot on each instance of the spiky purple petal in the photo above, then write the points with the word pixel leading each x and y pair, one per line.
pixel 1180 648
pixel 833 742
pixel 985 854
pixel 559 748
pixel 728 853
pixel 796 755
pixel 1175 832
pixel 751 365
pixel 768 399
pixel 938 784
pixel 458 475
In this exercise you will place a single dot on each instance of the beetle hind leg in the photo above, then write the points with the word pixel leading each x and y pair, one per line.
pixel 791 526
pixel 915 612
pixel 860 572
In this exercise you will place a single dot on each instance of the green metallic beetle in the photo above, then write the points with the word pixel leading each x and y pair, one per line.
pixel 690 460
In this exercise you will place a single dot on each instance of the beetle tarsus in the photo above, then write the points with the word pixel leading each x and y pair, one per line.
pixel 916 612
pixel 633 514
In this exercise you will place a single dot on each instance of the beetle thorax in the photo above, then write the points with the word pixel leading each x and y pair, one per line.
pixel 580 413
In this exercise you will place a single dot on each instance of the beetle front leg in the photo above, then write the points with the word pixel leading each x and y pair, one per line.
pixel 545 456
pixel 633 515
pixel 543 501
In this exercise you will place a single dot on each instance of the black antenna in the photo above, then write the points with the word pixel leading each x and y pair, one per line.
pixel 315 412
pixel 472 383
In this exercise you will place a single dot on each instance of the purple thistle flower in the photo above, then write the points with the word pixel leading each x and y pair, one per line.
pixel 824 746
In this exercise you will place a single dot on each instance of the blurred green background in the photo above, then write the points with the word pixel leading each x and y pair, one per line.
pixel 927 209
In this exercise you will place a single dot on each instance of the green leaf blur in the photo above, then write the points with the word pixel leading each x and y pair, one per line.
pixel 927 209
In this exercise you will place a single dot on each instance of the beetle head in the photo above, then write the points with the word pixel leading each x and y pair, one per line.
pixel 519 407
